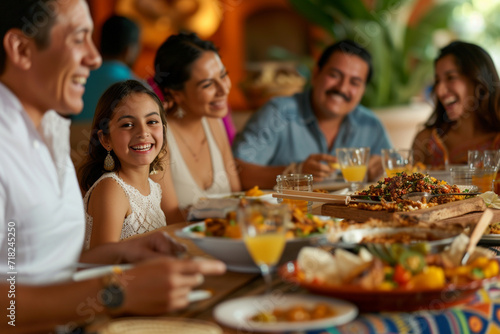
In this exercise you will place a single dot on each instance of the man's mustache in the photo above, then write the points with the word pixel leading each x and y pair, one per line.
pixel 336 92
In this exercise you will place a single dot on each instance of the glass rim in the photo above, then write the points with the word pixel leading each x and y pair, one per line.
pixel 294 176
pixel 366 148
pixel 396 150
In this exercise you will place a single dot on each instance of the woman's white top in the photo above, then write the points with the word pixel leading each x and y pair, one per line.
pixel 146 212
pixel 187 190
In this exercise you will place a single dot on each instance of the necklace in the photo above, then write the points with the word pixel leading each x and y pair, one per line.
pixel 196 155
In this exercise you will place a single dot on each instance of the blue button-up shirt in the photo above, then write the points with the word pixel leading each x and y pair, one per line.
pixel 286 130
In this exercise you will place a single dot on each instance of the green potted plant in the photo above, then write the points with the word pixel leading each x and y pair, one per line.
pixel 402 51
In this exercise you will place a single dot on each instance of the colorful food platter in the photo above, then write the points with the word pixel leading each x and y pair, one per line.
pixel 399 299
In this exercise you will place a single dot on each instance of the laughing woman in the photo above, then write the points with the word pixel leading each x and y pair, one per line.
pixel 467 112
pixel 195 87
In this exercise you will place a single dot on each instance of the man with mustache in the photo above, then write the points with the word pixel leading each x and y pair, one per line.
pixel 300 133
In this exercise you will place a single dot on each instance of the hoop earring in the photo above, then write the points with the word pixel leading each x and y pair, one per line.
pixel 179 113
pixel 109 162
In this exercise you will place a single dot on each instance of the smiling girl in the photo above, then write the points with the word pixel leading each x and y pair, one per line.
pixel 127 143
pixel 467 112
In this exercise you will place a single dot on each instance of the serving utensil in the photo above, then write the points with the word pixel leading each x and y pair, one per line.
pixel 321 197
pixel 478 231
pixel 419 196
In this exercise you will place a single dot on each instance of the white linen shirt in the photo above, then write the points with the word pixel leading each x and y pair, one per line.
pixel 39 197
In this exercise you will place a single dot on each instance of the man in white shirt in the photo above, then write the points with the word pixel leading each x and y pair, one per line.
pixel 45 58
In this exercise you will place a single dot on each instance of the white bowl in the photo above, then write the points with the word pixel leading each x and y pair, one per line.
pixel 233 252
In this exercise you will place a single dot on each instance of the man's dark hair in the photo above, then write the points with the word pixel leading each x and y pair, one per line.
pixel 350 47
pixel 118 32
pixel 34 18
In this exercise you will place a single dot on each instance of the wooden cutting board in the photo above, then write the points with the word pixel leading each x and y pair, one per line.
pixel 469 219
pixel 433 214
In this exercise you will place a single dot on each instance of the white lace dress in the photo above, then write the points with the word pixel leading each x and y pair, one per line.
pixel 146 210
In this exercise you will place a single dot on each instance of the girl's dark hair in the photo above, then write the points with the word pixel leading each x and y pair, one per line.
pixel 174 60
pixel 476 64
pixel 93 167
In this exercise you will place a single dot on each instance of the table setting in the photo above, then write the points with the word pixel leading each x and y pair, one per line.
pixel 300 260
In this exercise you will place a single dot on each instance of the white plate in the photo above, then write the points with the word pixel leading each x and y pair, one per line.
pixel 234 253
pixel 218 205
pixel 236 313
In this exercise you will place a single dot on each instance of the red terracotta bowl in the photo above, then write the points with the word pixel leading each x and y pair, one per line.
pixel 395 300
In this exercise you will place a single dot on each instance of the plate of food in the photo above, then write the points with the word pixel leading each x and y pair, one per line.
pixel 390 195
pixel 284 313
pixel 413 282
pixel 395 189
pixel 432 240
pixel 221 238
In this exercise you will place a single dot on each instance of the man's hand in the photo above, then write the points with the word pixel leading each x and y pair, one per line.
pixel 149 246
pixel 314 165
pixel 134 249
pixel 163 284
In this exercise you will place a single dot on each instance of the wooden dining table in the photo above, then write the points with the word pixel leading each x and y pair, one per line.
pixel 224 287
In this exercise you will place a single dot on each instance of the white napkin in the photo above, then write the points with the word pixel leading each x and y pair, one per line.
pixel 491 199
pixel 212 208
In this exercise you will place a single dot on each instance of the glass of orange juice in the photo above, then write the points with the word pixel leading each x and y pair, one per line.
pixel 483 178
pixel 484 165
pixel 353 165
pixel 263 226
pixel 397 161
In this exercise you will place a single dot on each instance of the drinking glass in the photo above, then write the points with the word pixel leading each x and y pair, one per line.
pixel 485 165
pixel 301 182
pixel 263 226
pixel 354 165
pixel 397 161
pixel 486 158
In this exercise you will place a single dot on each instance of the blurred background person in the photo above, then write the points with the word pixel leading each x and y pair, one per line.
pixel 195 86
pixel 467 107
pixel 120 47
pixel 299 133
